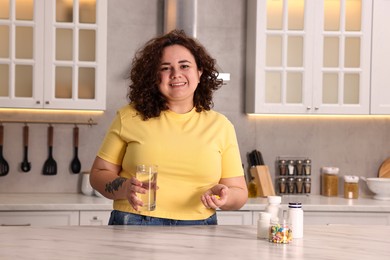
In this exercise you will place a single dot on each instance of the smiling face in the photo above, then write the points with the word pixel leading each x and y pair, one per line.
pixel 179 77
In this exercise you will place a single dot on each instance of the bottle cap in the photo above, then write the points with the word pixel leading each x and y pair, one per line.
pixel 330 170
pixel 274 199
pixel 295 205
pixel 351 179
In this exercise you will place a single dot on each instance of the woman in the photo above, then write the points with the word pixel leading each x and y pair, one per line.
pixel 169 122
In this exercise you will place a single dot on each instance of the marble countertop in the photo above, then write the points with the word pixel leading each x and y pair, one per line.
pixel 59 201
pixel 191 242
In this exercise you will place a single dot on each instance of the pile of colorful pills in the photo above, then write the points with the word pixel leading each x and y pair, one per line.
pixel 280 234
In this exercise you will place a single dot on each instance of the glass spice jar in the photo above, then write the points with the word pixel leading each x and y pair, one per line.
pixel 291 167
pixel 282 185
pixel 299 167
pixel 307 185
pixel 299 184
pixel 291 185
pixel 283 167
pixel 351 187
pixel 330 181
pixel 307 166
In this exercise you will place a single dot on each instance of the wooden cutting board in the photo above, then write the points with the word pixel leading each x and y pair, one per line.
pixel 263 181
pixel 384 170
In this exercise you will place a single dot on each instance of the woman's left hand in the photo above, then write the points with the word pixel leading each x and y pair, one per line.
pixel 215 197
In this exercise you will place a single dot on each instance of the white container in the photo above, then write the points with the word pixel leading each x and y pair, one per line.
pixel 273 207
pixel 295 219
pixel 86 187
pixel 263 225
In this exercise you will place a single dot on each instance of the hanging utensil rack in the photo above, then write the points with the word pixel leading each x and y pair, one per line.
pixel 90 122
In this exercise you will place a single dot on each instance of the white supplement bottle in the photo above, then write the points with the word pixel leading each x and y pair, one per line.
pixel 273 207
pixel 295 219
pixel 263 225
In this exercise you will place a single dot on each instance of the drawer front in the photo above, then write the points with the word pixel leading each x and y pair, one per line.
pixel 98 218
pixel 234 217
pixel 39 218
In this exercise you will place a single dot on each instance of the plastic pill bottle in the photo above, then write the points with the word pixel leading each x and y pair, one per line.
pixel 295 219
pixel 273 207
pixel 263 225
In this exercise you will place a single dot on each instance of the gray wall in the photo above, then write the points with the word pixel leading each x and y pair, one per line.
pixel 357 145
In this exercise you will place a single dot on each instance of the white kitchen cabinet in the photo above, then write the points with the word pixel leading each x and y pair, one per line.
pixel 39 218
pixel 53 54
pixel 352 218
pixel 97 218
pixel 380 70
pixel 234 217
pixel 308 57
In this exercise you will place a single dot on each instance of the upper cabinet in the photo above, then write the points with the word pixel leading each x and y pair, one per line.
pixel 53 54
pixel 308 57
pixel 380 70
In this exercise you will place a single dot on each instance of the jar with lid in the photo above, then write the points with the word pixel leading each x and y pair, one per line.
pixel 282 167
pixel 299 184
pixel 330 181
pixel 282 185
pixel 299 167
pixel 279 231
pixel 307 166
pixel 291 167
pixel 351 187
pixel 290 184
pixel 307 184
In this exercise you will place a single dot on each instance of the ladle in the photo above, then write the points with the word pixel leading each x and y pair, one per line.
pixel 25 165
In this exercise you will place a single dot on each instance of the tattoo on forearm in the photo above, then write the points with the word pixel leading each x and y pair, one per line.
pixel 114 185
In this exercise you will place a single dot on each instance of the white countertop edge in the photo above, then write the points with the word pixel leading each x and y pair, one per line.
pixel 70 202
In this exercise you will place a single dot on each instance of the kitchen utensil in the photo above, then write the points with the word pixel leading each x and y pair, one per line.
pixel 75 164
pixel 384 170
pixel 4 167
pixel 25 165
pixel 50 166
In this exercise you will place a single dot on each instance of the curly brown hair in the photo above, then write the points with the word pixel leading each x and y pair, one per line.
pixel 144 93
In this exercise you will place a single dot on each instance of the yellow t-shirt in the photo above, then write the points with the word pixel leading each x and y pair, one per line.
pixel 193 152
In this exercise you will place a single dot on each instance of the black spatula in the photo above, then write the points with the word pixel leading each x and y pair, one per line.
pixel 50 166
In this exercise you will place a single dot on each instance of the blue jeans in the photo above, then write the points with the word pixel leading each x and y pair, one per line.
pixel 125 218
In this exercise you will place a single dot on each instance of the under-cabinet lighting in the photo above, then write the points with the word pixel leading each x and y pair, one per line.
pixel 51 111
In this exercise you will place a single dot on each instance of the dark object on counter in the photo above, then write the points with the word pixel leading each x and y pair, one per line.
pixel 25 165
pixel 4 167
pixel 50 166
pixel 75 164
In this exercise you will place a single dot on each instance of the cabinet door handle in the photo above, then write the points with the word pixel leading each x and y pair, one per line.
pixel 308 108
pixel 38 102
pixel 316 108
pixel 47 102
